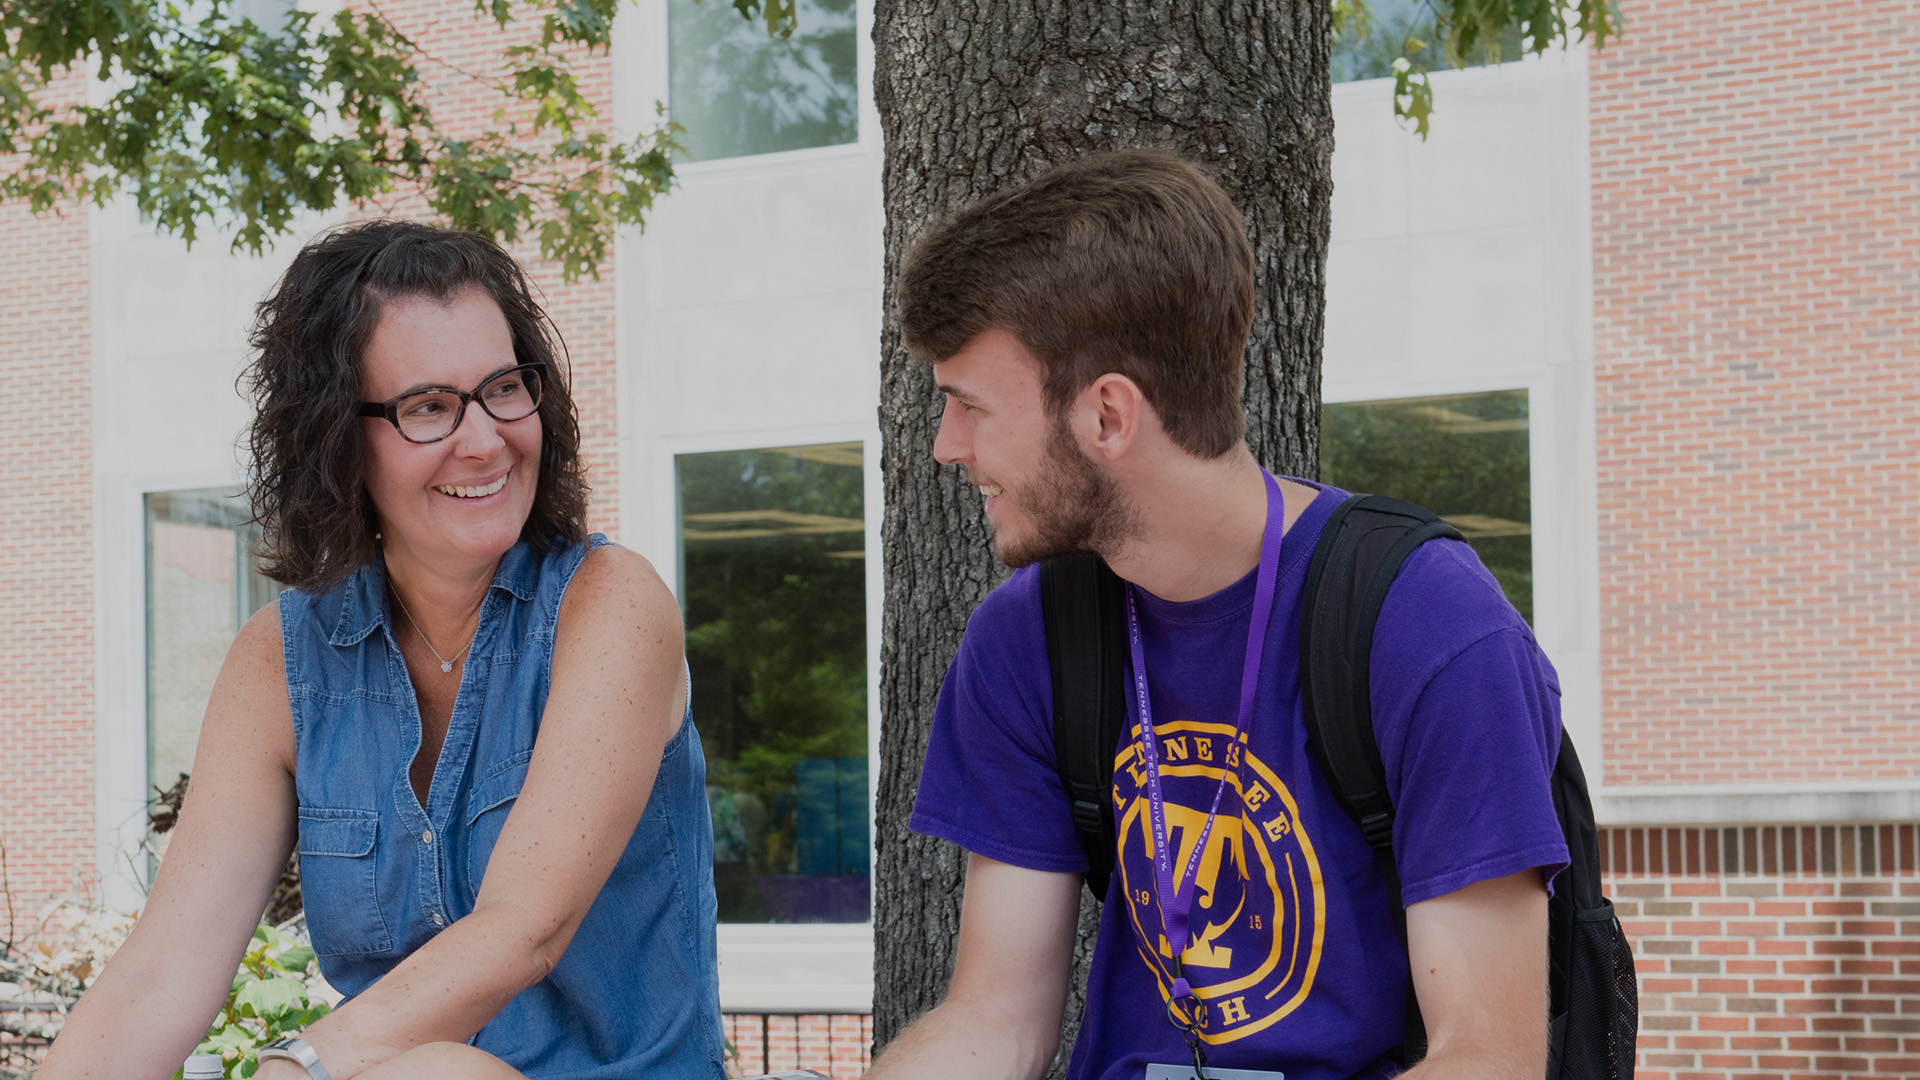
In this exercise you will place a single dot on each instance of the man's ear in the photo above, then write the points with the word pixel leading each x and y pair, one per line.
pixel 1110 413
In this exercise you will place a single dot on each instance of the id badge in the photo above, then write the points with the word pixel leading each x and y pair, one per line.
pixel 1185 1072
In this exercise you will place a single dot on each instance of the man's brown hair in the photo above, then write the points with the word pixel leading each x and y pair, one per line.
pixel 1132 262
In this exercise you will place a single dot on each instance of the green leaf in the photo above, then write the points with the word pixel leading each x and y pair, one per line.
pixel 1412 95
pixel 229 1040
pixel 296 959
pixel 267 998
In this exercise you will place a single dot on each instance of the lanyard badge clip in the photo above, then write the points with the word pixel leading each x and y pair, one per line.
pixel 1187 1027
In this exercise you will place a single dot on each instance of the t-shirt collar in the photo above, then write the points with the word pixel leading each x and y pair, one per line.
pixel 1236 599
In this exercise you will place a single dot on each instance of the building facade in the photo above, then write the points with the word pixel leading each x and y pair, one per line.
pixel 1640 321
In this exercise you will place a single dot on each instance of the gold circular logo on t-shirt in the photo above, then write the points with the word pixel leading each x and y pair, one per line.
pixel 1259 905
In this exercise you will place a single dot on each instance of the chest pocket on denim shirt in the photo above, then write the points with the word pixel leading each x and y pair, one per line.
pixel 337 882
pixel 487 810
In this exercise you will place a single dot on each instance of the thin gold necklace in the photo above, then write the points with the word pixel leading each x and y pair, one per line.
pixel 445 663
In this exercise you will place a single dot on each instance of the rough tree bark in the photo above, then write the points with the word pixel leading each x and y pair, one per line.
pixel 979 94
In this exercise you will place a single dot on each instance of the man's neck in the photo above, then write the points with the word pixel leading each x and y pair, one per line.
pixel 1197 524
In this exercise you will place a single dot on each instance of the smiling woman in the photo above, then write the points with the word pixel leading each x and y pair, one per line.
pixel 500 809
pixel 447 480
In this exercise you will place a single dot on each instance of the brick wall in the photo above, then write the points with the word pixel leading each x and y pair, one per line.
pixel 1773 952
pixel 837 1045
pixel 46 566
pixel 1756 225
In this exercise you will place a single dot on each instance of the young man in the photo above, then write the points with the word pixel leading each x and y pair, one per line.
pixel 1087 331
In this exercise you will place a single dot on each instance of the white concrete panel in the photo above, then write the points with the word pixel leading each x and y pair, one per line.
pixel 1477 299
pixel 747 239
pixel 779 363
pixel 808 968
pixel 178 412
pixel 1419 305
pixel 1486 164
pixel 170 338
pixel 1369 294
pixel 1370 163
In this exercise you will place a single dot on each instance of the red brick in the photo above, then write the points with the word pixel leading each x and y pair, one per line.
pixel 47 640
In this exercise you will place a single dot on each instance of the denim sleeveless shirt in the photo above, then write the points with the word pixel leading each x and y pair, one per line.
pixel 637 992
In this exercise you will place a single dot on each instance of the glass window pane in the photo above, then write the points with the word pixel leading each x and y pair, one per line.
pixel 773 579
pixel 1367 46
pixel 1463 456
pixel 201 587
pixel 738 91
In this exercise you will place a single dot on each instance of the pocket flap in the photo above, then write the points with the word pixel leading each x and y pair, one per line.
pixel 337 832
pixel 500 788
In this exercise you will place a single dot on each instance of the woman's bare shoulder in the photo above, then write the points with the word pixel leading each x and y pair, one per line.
pixel 256 663
pixel 621 585
pixel 619 633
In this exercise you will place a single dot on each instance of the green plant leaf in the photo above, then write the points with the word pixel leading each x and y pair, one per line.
pixel 296 959
pixel 1412 95
pixel 229 1040
pixel 269 998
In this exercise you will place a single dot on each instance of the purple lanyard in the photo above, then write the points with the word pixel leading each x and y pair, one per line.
pixel 1176 895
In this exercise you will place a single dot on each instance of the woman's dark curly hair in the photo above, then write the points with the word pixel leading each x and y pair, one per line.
pixel 306 443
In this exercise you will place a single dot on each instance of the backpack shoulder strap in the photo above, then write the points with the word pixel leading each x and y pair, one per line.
pixel 1354 563
pixel 1359 553
pixel 1083 604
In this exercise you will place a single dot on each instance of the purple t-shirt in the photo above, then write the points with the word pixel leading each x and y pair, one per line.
pixel 1293 953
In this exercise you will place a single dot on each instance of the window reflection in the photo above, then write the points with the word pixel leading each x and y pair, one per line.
pixel 773 581
pixel 201 587
pixel 1462 456
pixel 738 91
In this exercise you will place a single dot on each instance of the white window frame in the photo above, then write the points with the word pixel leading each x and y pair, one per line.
pixel 121 784
pixel 796 967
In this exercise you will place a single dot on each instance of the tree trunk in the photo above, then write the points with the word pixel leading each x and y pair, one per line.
pixel 974 97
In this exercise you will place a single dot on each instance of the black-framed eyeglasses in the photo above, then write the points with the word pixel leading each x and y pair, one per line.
pixel 432 414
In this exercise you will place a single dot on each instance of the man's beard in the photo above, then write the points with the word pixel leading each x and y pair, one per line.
pixel 1071 505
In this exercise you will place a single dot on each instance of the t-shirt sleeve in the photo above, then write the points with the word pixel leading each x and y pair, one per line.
pixel 989 782
pixel 1467 713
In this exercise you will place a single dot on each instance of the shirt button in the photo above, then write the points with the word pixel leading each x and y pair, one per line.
pixel 439 919
pixel 427 837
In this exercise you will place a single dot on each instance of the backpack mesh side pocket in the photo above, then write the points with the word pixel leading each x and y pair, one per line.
pixel 1603 1002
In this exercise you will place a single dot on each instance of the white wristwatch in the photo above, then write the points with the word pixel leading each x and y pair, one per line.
pixel 298 1052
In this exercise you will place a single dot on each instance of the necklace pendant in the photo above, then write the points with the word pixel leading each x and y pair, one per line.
pixel 446 665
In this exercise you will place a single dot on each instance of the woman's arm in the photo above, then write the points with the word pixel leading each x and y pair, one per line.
pixel 617 697
pixel 152 1004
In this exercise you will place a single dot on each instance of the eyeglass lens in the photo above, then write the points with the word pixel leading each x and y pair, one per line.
pixel 433 414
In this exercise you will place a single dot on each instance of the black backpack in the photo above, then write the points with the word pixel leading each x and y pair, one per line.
pixel 1595 1003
